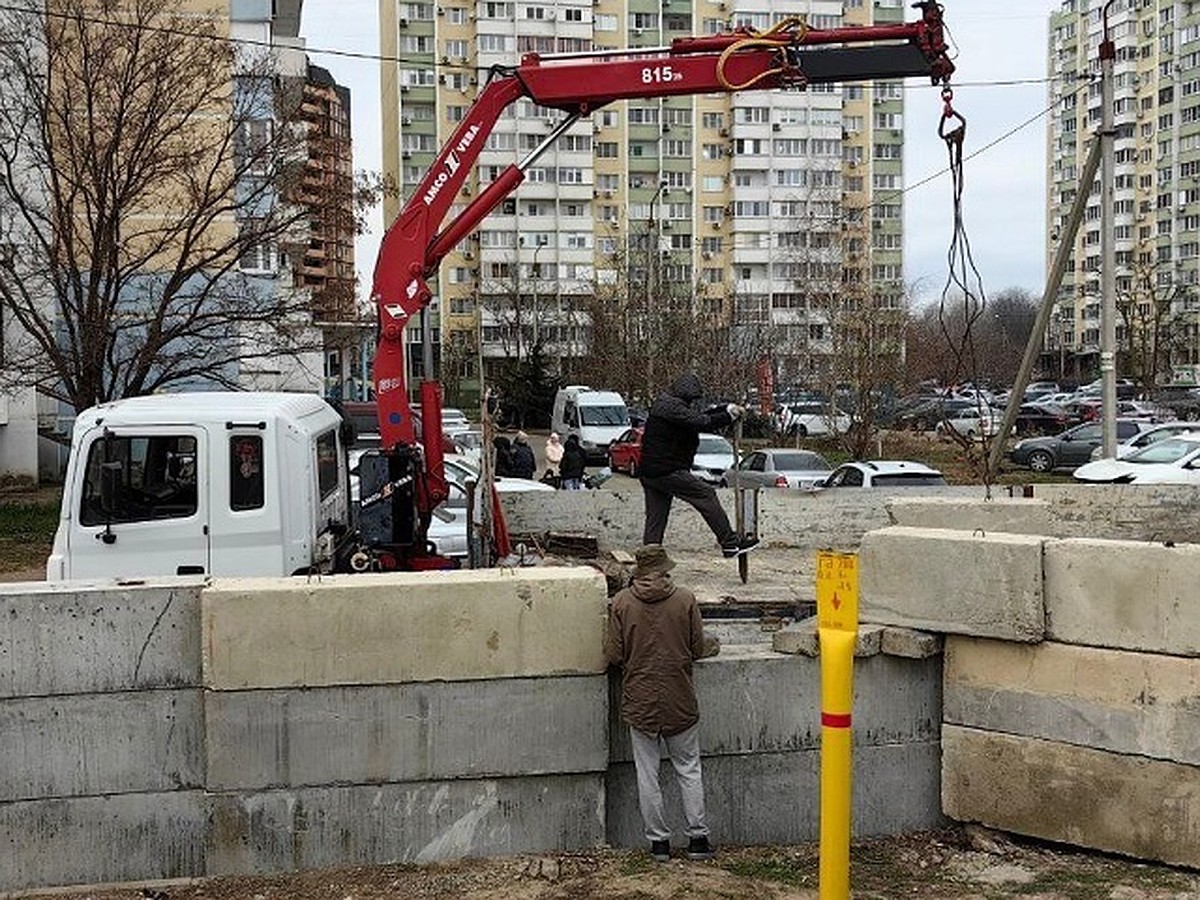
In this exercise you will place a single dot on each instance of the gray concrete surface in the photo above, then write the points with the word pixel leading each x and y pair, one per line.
pixel 94 840
pixel 1077 795
pixel 1123 594
pixel 953 582
pixel 80 744
pixel 1139 704
pixel 347 825
pixel 429 731
pixel 774 798
pixel 96 638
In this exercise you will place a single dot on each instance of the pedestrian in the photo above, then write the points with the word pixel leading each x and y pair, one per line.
pixel 523 462
pixel 554 455
pixel 669 444
pixel 504 458
pixel 654 634
pixel 573 464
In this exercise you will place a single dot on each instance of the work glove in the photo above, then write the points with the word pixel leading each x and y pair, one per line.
pixel 735 411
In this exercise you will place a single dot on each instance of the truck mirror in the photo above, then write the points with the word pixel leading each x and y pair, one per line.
pixel 110 486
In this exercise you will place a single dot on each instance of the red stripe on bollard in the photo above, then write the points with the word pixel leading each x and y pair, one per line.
pixel 835 720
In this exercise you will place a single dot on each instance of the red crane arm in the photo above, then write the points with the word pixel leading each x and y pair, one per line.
pixel 789 55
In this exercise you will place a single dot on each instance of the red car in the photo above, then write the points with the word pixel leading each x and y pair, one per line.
pixel 625 452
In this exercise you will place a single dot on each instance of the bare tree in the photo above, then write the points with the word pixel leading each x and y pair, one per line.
pixel 1151 302
pixel 144 188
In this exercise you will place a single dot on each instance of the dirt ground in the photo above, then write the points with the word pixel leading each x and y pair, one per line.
pixel 955 864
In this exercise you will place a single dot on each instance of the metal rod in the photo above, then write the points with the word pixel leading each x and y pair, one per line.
pixel 1108 253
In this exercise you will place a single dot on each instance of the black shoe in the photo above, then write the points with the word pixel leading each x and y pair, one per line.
pixel 661 850
pixel 699 849
pixel 739 547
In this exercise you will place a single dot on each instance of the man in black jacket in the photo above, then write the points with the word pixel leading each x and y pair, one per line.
pixel 668 450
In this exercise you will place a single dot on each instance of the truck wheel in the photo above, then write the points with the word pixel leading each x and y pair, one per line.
pixel 1041 461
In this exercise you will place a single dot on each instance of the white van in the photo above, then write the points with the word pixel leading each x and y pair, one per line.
pixel 595 417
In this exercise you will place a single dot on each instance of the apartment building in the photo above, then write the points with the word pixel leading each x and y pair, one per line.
pixel 1156 182
pixel 757 205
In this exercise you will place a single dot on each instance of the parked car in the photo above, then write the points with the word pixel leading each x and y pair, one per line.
pixel 1041 418
pixel 812 417
pixel 883 473
pixel 925 415
pixel 1040 389
pixel 1069 449
pixel 1172 460
pixel 973 424
pixel 469 444
pixel 713 457
pixel 625 452
pixel 1148 437
pixel 779 467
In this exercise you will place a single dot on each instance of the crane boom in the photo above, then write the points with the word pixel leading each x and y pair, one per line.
pixel 789 55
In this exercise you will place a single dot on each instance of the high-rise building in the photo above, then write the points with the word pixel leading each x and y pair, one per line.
pixel 758 205
pixel 1156 208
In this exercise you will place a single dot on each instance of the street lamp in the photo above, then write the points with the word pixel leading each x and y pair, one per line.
pixel 536 272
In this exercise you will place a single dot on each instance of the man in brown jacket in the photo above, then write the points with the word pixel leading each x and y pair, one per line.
pixel 654 634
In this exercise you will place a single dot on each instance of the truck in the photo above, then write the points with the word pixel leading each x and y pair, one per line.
pixel 596 418
pixel 205 483
pixel 404 481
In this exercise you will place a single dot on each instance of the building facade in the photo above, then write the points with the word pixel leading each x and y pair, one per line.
pixel 756 207
pixel 1156 209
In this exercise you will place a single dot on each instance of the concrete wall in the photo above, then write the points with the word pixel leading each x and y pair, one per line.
pixel 1071 676
pixel 276 724
pixel 833 518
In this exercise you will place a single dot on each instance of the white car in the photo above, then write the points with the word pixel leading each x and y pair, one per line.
pixel 883 473
pixel 812 418
pixel 972 424
pixel 1146 438
pixel 1173 460
pixel 713 456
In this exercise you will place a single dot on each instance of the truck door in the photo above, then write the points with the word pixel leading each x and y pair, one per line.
pixel 140 503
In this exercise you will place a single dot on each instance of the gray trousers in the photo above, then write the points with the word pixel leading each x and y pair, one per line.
pixel 684 752
pixel 660 489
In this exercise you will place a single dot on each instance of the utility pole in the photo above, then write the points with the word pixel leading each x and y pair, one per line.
pixel 1108 253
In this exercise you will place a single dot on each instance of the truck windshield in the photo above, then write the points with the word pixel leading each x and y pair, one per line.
pixel 603 415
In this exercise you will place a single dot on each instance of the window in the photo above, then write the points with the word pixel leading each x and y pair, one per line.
pixel 139 478
pixel 245 472
pixel 327 463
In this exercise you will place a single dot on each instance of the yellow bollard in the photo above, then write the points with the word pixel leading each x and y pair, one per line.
pixel 837 632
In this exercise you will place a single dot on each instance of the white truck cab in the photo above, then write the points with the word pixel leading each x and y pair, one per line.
pixel 597 418
pixel 203 484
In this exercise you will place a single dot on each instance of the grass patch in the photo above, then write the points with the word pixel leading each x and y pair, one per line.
pixel 27 525
pixel 792 872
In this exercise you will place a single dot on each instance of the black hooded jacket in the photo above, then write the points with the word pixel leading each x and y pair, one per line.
pixel 673 427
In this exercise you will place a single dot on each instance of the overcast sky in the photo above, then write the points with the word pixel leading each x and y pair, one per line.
pixel 1004 186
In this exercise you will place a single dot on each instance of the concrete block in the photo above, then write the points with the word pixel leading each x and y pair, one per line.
pixel 774 798
pixel 909 643
pixel 423 822
pixel 802 638
pixel 410 626
pixel 101 744
pixel 956 582
pixel 1126 512
pixel 1077 795
pixel 1137 703
pixel 79 638
pixel 764 702
pixel 1123 594
pixel 94 840
pixel 411 732
pixel 1010 515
